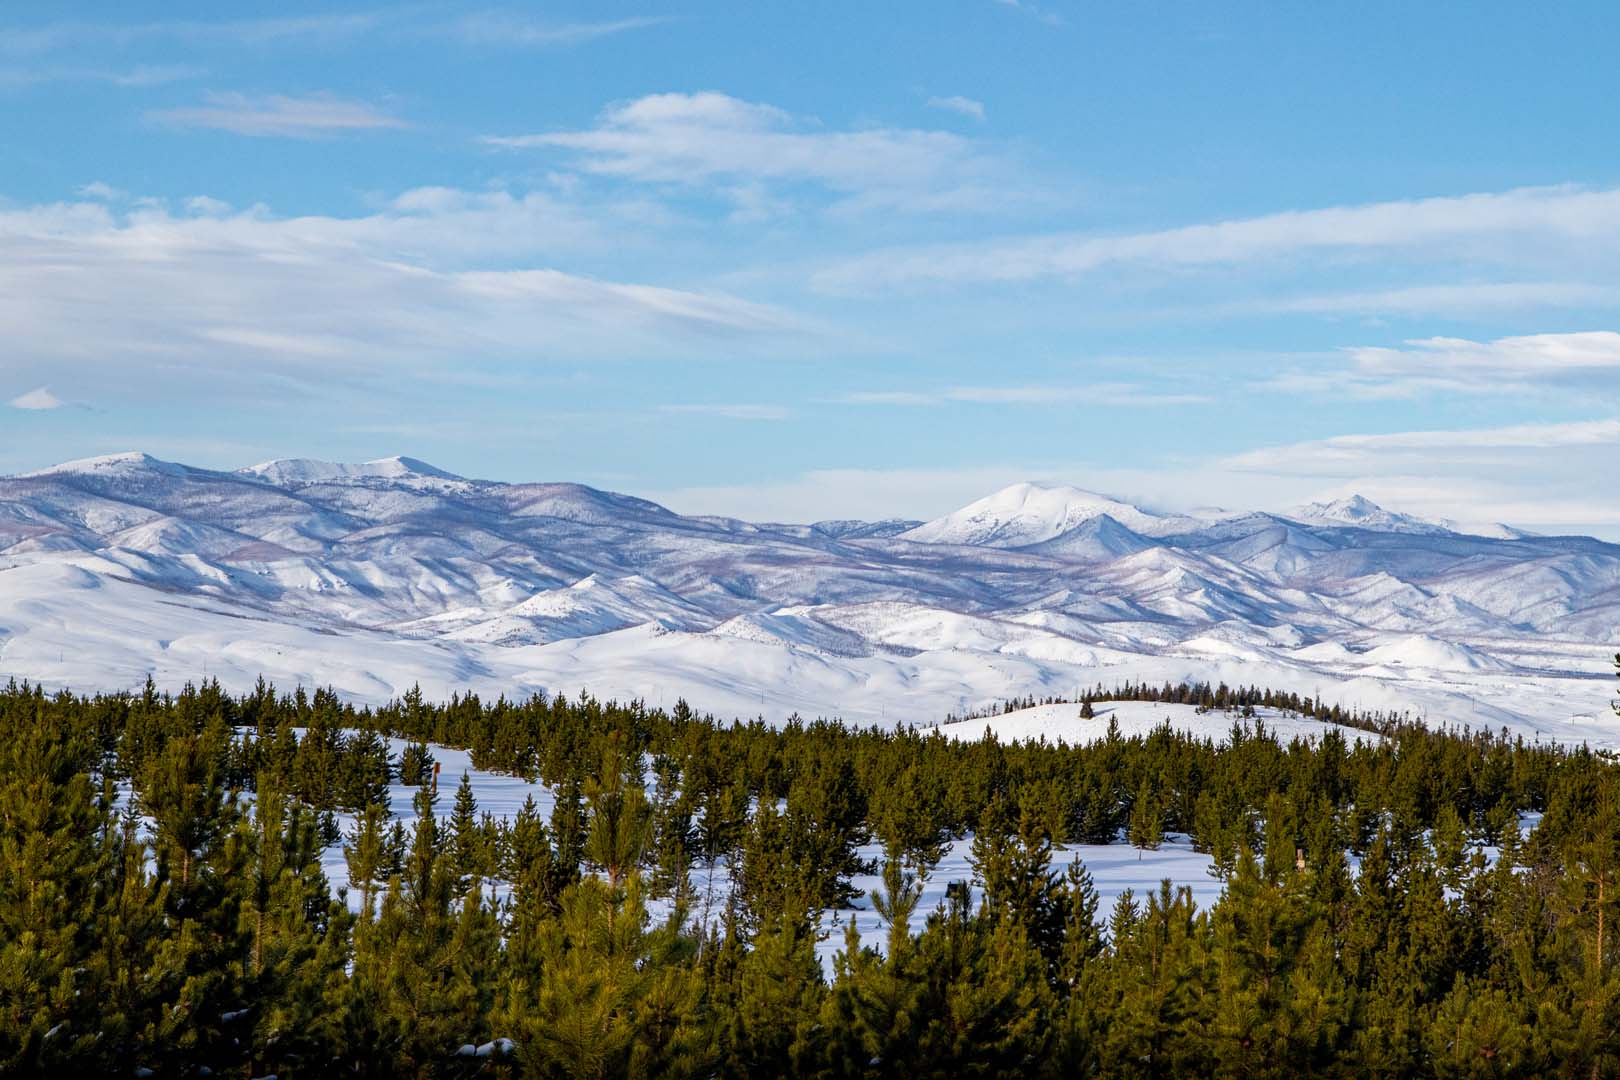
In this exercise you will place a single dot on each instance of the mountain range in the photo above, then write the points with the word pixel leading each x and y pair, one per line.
pixel 373 577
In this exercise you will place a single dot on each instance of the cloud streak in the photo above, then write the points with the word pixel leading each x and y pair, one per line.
pixel 1039 14
pixel 139 77
pixel 150 301
pixel 1523 364
pixel 482 29
pixel 511 31
pixel 712 139
pixel 1357 454
pixel 730 412
pixel 1112 394
pixel 1485 227
pixel 962 106
pixel 280 116
pixel 69 34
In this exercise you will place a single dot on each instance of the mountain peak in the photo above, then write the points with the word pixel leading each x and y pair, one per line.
pixel 123 464
pixel 1032 512
pixel 1358 511
pixel 295 472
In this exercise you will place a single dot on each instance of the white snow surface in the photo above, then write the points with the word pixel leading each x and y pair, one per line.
pixel 371 578
pixel 1134 719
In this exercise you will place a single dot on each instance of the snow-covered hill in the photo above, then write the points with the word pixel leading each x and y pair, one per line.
pixel 376 576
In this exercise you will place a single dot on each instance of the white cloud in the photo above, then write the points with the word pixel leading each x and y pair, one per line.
pixel 1524 364
pixel 1531 355
pixel 1501 227
pixel 247 32
pixel 153 302
pixel 731 412
pixel 491 28
pixel 38 399
pixel 1113 394
pixel 103 191
pixel 1482 298
pixel 138 77
pixel 1358 453
pixel 713 139
pixel 204 206
pixel 507 30
pixel 956 103
pixel 1037 13
pixel 279 115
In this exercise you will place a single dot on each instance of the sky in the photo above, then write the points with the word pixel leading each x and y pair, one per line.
pixel 794 261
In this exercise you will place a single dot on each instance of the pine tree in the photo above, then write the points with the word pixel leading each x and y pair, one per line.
pixel 569 825
pixel 586 1014
pixel 620 817
pixel 297 939
pixel 771 1023
pixel 1014 867
pixel 469 855
pixel 531 866
pixel 1146 827
pixel 1479 1031
pixel 200 855
pixel 416 765
pixel 907 813
pixel 1153 988
pixel 896 902
pixel 55 840
pixel 825 820
pixel 424 971
pixel 673 837
pixel 367 856
pixel 124 966
pixel 368 767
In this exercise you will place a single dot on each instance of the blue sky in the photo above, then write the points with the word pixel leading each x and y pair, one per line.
pixel 801 261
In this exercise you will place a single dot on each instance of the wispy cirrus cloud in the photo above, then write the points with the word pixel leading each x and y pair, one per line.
pixel 508 30
pixel 1355 454
pixel 1050 18
pixel 78 33
pixel 714 140
pixel 962 106
pixel 1489 228
pixel 147 300
pixel 491 28
pixel 278 115
pixel 1522 364
pixel 1116 394
pixel 730 412
pixel 137 77
pixel 1447 299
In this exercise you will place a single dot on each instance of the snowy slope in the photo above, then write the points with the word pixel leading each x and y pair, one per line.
pixel 1062 723
pixel 373 577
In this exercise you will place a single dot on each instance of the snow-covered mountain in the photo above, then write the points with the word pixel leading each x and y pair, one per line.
pixel 1028 513
pixel 376 576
